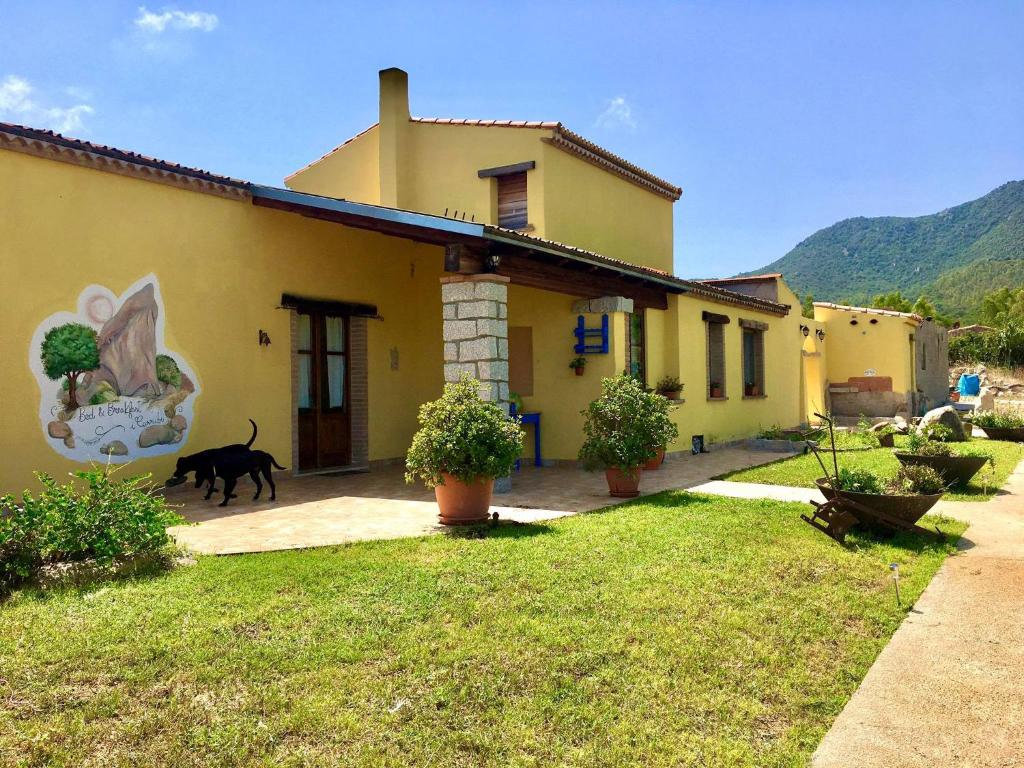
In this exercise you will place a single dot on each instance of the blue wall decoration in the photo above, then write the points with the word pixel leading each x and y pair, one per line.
pixel 583 333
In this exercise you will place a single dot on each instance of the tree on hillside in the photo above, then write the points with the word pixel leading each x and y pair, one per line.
pixel 70 350
pixel 894 301
pixel 1003 306
pixel 807 306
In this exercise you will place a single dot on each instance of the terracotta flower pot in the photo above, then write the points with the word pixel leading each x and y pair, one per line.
pixel 656 461
pixel 752 390
pixel 673 395
pixel 716 391
pixel 464 503
pixel 623 484
pixel 579 371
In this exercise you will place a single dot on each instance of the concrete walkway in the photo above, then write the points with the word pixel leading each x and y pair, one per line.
pixel 320 510
pixel 758 491
pixel 948 689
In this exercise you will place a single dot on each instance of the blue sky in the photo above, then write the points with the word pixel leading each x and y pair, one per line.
pixel 776 118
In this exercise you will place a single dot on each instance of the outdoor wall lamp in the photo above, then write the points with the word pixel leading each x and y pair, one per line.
pixel 805 331
pixel 264 338
pixel 820 334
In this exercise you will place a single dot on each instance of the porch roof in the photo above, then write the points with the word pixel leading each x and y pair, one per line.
pixel 524 258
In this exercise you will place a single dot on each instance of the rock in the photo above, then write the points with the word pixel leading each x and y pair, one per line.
pixel 901 425
pixel 58 430
pixel 186 384
pixel 114 448
pixel 127 344
pixel 158 434
pixel 178 422
pixel 986 399
pixel 69 441
pixel 947 417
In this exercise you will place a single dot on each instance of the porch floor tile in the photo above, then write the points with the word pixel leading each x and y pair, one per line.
pixel 321 510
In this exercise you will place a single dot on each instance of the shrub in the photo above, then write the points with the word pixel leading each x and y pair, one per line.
pixel 929 448
pixel 998 420
pixel 938 432
pixel 464 436
pixel 625 426
pixel 858 481
pixel 915 481
pixel 105 521
pixel 167 370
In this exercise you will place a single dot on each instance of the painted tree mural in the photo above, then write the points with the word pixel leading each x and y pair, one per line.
pixel 70 350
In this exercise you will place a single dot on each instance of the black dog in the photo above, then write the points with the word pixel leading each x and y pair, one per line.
pixel 202 463
pixel 231 465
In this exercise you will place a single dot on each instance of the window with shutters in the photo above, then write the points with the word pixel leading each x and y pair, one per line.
pixel 512 200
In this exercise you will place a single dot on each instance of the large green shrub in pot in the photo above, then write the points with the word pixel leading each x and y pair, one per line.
pixel 464 436
pixel 625 426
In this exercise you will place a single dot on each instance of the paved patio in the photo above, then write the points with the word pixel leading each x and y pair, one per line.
pixel 320 510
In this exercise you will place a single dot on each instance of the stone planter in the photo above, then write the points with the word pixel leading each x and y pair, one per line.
pixel 886 440
pixel 778 446
pixel 464 503
pixel 956 470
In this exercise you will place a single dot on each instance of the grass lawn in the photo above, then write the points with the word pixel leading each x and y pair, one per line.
pixel 801 471
pixel 677 630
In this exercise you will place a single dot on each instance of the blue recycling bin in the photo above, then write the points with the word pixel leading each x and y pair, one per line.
pixel 969 384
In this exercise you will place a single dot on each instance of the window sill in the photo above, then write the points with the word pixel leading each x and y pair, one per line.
pixel 527 228
pixel 717 399
pixel 755 397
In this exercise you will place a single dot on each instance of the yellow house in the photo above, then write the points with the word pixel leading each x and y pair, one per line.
pixel 152 309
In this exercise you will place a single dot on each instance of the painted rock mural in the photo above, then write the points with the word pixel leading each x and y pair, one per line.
pixel 109 388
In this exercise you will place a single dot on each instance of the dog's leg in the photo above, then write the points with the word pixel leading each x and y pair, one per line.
pixel 211 489
pixel 268 473
pixel 229 486
pixel 255 475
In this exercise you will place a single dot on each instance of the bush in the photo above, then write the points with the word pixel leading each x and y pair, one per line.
pixel 858 481
pixel 464 436
pixel 625 426
pixel 998 419
pixel 106 521
pixel 926 447
pixel 939 433
pixel 1000 347
pixel 915 481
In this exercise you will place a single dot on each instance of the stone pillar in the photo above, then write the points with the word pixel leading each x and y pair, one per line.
pixel 476 332
pixel 475 326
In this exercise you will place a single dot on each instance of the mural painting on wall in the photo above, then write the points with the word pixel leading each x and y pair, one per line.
pixel 109 387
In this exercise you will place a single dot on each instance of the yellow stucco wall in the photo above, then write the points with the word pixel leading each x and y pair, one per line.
pixel 594 209
pixel 884 347
pixel 350 172
pixel 222 267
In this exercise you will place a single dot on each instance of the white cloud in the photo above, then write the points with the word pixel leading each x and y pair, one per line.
pixel 618 114
pixel 18 104
pixel 155 23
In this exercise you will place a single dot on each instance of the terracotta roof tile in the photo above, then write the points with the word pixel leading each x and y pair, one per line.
pixel 52 137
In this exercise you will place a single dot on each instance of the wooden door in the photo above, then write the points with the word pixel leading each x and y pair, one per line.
pixel 323 396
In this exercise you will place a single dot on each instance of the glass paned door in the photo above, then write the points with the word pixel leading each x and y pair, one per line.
pixel 322 397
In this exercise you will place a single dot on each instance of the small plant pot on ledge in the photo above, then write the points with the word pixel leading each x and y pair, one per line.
pixel 751 390
pixel 657 461
pixel 464 503
pixel 716 392
pixel 623 484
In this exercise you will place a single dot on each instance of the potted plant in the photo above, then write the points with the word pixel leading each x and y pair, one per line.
pixel 624 428
pixel 907 495
pixel 578 364
pixel 886 436
pixel 669 387
pixel 462 445
pixel 1001 425
pixel 957 466
pixel 715 390
pixel 751 389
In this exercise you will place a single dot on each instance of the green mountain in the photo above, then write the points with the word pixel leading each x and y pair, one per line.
pixel 954 257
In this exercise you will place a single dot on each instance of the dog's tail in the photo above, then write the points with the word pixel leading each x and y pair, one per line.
pixel 274 462
pixel 254 431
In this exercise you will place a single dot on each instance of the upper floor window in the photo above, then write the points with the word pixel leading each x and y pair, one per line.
pixel 512 200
